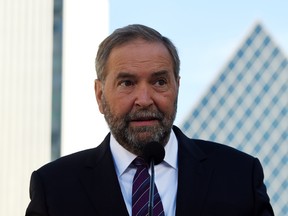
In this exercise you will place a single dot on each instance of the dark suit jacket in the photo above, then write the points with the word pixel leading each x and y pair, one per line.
pixel 213 179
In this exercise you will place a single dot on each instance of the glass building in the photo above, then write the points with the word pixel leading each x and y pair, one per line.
pixel 47 65
pixel 246 108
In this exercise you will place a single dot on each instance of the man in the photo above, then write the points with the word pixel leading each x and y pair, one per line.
pixel 136 89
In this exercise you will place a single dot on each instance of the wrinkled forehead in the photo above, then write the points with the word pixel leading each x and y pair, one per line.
pixel 138 50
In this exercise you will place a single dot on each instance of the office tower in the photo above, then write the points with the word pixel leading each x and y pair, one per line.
pixel 246 107
pixel 39 78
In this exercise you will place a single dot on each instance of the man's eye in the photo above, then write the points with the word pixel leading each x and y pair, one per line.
pixel 161 82
pixel 126 83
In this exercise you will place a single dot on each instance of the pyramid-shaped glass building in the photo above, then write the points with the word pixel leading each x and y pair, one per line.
pixel 246 107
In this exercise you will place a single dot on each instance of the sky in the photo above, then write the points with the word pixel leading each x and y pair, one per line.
pixel 206 33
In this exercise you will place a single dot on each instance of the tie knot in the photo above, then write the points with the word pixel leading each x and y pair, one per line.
pixel 140 162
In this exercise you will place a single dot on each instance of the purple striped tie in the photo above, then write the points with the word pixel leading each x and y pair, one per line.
pixel 140 191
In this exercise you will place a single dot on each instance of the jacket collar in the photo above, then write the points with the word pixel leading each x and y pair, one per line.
pixel 101 183
pixel 193 177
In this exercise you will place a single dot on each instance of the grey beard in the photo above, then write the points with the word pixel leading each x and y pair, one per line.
pixel 134 139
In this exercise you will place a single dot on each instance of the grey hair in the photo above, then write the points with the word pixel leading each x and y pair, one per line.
pixel 129 33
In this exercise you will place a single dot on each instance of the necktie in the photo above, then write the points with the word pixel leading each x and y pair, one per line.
pixel 140 191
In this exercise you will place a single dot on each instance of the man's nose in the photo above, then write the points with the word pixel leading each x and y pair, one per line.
pixel 144 95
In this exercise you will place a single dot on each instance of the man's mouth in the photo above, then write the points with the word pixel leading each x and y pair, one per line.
pixel 144 121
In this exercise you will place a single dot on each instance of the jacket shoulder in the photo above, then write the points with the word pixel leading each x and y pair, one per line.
pixel 77 160
pixel 209 148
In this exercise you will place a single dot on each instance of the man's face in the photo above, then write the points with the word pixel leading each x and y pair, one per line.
pixel 139 95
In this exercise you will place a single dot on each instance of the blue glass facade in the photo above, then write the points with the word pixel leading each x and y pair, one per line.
pixel 246 107
pixel 57 80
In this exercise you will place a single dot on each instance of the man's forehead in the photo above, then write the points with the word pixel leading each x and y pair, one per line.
pixel 129 56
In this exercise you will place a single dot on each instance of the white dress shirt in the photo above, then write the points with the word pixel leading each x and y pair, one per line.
pixel 166 174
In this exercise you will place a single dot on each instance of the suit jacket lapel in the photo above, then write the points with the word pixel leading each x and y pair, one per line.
pixel 193 177
pixel 101 183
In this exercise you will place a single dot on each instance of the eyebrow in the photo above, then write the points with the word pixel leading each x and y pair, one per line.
pixel 122 75
pixel 160 73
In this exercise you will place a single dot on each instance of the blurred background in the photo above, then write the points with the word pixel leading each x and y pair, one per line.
pixel 234 77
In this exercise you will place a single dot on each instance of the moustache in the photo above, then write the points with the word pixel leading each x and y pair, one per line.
pixel 142 115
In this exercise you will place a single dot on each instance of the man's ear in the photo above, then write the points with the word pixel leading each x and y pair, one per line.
pixel 98 88
pixel 178 81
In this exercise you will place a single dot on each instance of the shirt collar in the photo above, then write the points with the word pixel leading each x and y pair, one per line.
pixel 123 158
